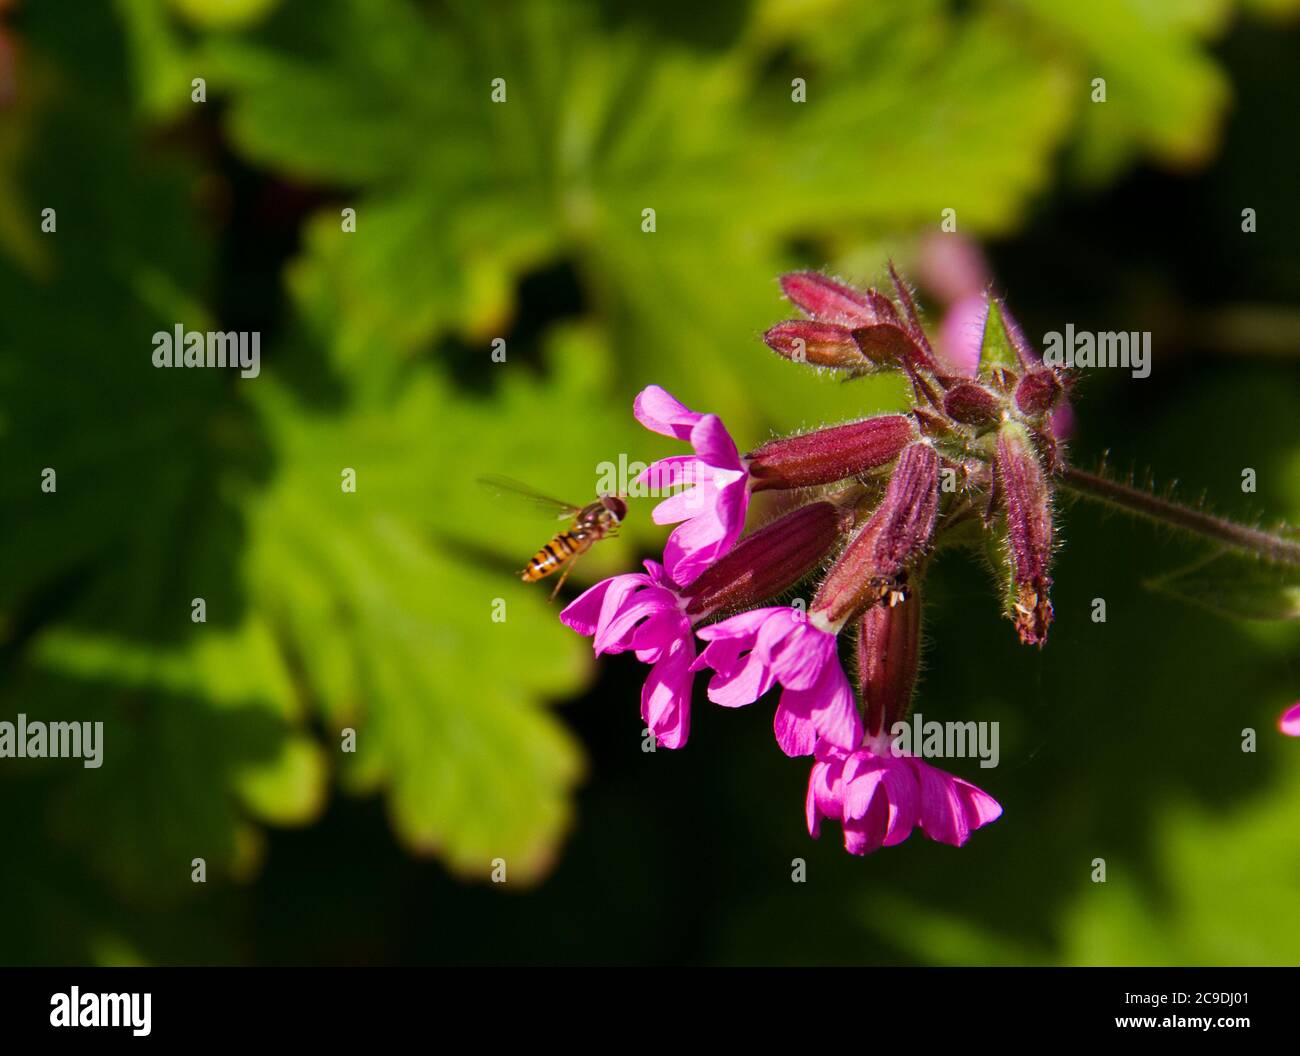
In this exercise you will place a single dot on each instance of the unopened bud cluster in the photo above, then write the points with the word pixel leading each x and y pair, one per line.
pixel 991 431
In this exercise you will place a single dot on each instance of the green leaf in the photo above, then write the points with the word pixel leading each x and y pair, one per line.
pixel 223 14
pixel 201 734
pixel 602 121
pixel 1224 893
pixel 1165 94
pixel 409 629
pixel 198 742
pixel 1237 584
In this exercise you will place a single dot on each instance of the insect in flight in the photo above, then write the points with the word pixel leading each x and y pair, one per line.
pixel 588 525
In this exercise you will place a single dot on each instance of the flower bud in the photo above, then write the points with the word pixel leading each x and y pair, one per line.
pixel 971 404
pixel 910 504
pixel 827 301
pixel 872 566
pixel 889 651
pixel 1037 393
pixel 932 423
pixel 1024 489
pixel 821 344
pixel 770 560
pixel 887 345
pixel 827 455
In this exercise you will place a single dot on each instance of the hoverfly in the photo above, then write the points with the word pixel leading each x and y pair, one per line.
pixel 892 590
pixel 588 525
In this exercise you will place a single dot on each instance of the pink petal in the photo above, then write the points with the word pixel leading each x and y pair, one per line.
pixel 687 556
pixel 713 506
pixel 741 676
pixel 827 784
pixel 795 733
pixel 952 266
pixel 835 715
pixel 904 801
pixel 856 840
pixel 695 544
pixel 1062 420
pixel 826 710
pixel 666 695
pixel 942 816
pixel 861 790
pixel 800 655
pixel 587 611
pixel 744 625
pixel 667 473
pixel 811 814
pixel 980 808
pixel 582 613
pixel 1289 723
pixel 962 333
pixel 866 834
pixel 658 633
pixel 742 684
pixel 950 808
pixel 697 500
pixel 778 642
pixel 660 411
pixel 614 634
pixel 713 444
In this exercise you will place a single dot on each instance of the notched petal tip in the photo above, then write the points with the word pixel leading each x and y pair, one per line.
pixel 661 412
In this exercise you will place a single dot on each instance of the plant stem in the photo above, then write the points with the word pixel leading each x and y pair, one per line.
pixel 1162 511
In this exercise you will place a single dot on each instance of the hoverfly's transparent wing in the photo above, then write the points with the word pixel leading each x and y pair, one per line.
pixel 505 487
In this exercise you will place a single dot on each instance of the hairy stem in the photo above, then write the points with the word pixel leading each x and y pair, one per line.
pixel 1162 511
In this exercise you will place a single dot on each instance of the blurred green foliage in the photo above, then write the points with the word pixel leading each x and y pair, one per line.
pixel 523 220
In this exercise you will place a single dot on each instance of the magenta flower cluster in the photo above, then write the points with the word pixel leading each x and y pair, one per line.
pixel 875 498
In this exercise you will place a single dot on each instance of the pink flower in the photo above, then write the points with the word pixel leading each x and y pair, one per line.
pixel 712 512
pixel 1289 723
pixel 752 652
pixel 642 612
pixel 961 333
pixel 952 266
pixel 879 797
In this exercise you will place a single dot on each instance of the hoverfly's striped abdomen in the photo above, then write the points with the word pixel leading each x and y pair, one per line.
pixel 554 554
